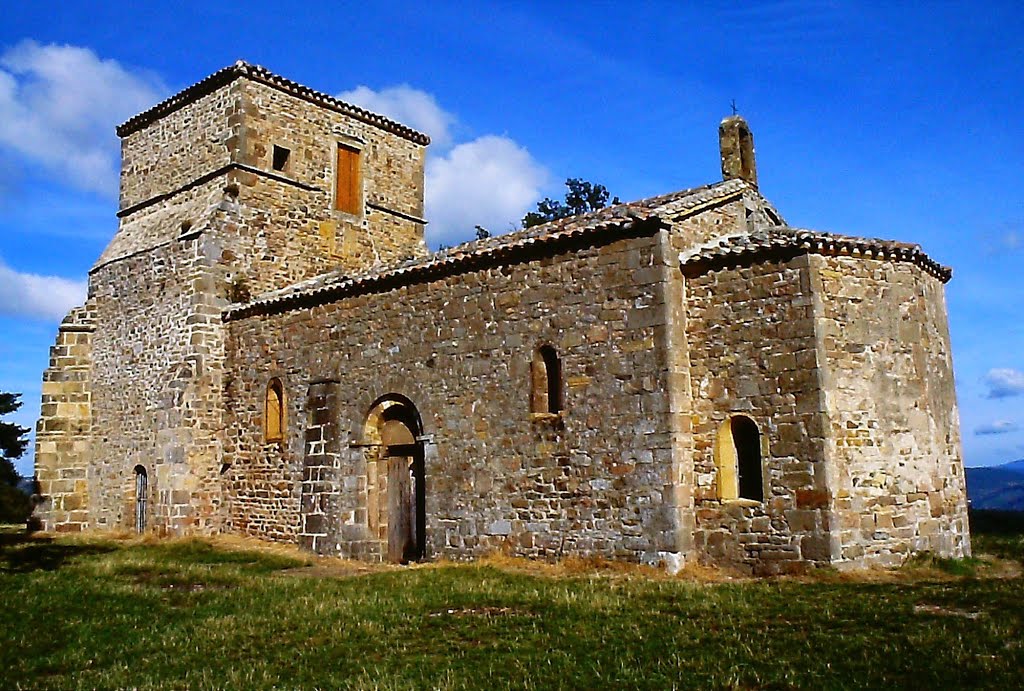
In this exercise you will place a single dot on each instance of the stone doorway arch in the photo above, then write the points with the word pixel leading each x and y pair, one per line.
pixel 396 479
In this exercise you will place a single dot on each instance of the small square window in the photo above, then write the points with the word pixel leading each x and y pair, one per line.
pixel 281 155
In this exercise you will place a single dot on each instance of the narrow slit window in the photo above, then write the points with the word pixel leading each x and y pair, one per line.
pixel 141 498
pixel 347 195
pixel 281 156
pixel 274 414
pixel 546 384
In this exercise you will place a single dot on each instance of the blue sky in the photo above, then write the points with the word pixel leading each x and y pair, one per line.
pixel 892 120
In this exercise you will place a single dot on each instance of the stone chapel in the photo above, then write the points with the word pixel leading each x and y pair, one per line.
pixel 269 348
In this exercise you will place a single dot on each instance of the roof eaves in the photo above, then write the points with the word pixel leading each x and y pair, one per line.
pixel 500 248
pixel 333 286
pixel 263 75
pixel 740 248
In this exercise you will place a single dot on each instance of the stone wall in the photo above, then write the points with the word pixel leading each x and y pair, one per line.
pixel 893 422
pixel 753 352
pixel 239 124
pixel 157 356
pixel 595 479
pixel 63 433
pixel 181 147
pixel 391 226
pixel 741 212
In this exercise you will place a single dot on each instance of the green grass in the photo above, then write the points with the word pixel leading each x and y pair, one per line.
pixel 95 613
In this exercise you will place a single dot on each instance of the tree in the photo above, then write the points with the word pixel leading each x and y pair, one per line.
pixel 581 197
pixel 12 439
pixel 14 505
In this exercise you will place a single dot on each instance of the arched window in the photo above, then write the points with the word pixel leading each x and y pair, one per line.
pixel 546 384
pixel 273 419
pixel 141 498
pixel 738 458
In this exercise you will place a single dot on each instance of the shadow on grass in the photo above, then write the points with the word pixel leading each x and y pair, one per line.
pixel 24 553
pixel 994 522
pixel 999 533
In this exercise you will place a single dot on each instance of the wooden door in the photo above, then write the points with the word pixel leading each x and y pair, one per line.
pixel 401 510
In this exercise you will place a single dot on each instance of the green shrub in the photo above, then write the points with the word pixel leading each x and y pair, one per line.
pixel 15 505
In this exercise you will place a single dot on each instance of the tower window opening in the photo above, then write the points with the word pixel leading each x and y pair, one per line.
pixel 281 156
pixel 347 195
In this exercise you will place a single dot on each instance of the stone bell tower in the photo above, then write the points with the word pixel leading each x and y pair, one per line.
pixel 243 183
pixel 737 146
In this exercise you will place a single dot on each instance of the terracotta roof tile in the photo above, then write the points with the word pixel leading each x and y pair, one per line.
pixel 743 247
pixel 618 218
pixel 261 74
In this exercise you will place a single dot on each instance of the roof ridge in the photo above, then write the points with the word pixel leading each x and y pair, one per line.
pixel 617 217
pixel 640 208
pixel 241 68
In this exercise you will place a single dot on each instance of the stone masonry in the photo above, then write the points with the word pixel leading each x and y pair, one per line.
pixel 268 343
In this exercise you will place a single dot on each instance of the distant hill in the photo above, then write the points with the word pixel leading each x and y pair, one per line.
pixel 997 487
pixel 1015 466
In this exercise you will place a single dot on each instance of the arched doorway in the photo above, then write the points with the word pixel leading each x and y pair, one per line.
pixel 396 487
pixel 141 498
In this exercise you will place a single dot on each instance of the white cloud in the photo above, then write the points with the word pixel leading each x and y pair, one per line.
pixel 409 106
pixel 997 427
pixel 59 106
pixel 1004 382
pixel 39 297
pixel 490 181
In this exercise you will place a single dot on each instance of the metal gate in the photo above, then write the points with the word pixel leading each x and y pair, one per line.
pixel 141 495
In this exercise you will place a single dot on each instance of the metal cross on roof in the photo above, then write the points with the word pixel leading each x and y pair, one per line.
pixel 734 111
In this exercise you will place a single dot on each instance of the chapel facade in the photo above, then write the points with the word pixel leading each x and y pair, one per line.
pixel 269 348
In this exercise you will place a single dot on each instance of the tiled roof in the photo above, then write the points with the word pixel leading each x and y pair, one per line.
pixel 261 74
pixel 619 219
pixel 743 247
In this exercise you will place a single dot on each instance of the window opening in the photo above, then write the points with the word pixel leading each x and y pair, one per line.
pixel 274 414
pixel 738 460
pixel 346 194
pixel 281 155
pixel 141 498
pixel 546 385
pixel 747 440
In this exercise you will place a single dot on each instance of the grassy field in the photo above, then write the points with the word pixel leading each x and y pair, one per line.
pixel 106 613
